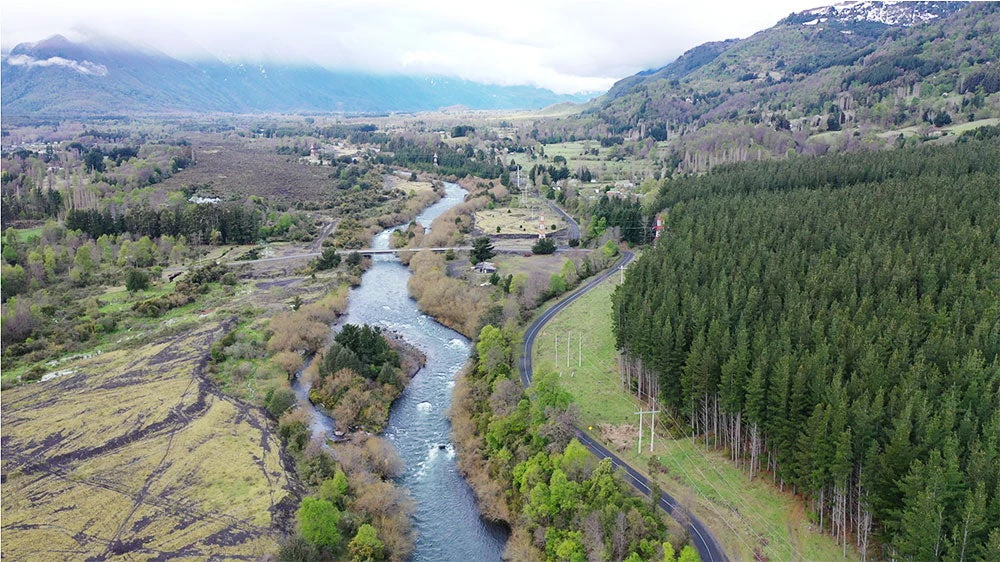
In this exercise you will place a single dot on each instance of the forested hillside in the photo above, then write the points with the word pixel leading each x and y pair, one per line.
pixel 835 323
pixel 811 84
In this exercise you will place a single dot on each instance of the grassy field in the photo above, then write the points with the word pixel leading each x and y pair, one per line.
pixel 960 128
pixel 24 234
pixel 955 129
pixel 605 165
pixel 136 447
pixel 400 180
pixel 745 516
pixel 135 451
pixel 518 220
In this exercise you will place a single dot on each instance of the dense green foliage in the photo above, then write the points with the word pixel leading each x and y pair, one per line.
pixel 359 377
pixel 482 250
pixel 572 506
pixel 136 280
pixel 369 346
pixel 328 260
pixel 41 184
pixel 351 496
pixel 544 246
pixel 318 520
pixel 624 214
pixel 439 158
pixel 223 223
pixel 366 546
pixel 51 282
pixel 837 322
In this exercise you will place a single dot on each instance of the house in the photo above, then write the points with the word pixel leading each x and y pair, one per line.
pixel 485 267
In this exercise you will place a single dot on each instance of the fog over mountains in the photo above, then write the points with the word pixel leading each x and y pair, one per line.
pixel 60 77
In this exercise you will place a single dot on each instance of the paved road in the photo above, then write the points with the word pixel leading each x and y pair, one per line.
pixel 707 545
pixel 572 225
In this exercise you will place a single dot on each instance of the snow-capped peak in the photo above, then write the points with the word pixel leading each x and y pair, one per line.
pixel 889 12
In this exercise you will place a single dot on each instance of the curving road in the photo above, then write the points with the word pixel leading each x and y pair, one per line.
pixel 572 226
pixel 705 543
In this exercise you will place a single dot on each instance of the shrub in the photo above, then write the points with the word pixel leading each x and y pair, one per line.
pixel 328 260
pixel 136 280
pixel 280 401
pixel 609 249
pixel 544 246
pixel 297 549
pixel 334 489
pixel 366 546
pixel 206 274
pixel 318 521
pixel 557 284
pixel 287 361
pixel 292 331
pixel 33 374
pixel 293 427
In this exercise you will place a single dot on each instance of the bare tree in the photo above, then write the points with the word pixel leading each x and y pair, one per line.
pixel 593 538
pixel 505 397
pixel 619 540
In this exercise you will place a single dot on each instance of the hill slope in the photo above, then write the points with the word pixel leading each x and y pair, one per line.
pixel 861 67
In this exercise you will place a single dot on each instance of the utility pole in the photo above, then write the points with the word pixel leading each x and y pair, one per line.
pixel 640 412
pixel 557 347
pixel 569 350
pixel 580 354
pixel 652 427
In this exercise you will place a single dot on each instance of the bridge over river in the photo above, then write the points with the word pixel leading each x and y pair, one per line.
pixel 383 251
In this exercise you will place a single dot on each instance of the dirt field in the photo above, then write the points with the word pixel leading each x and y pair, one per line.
pixel 251 167
pixel 133 452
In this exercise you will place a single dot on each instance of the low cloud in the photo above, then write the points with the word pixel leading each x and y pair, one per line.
pixel 85 67
pixel 565 45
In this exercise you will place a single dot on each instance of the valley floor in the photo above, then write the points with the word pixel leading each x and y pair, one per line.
pixel 136 451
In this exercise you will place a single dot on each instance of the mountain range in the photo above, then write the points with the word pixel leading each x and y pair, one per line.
pixel 863 66
pixel 856 65
pixel 59 77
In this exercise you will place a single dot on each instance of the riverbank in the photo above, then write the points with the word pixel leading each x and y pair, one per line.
pixel 445 514
pixel 487 405
pixel 357 228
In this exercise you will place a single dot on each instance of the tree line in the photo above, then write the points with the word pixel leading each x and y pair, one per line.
pixel 416 155
pixel 222 223
pixel 835 323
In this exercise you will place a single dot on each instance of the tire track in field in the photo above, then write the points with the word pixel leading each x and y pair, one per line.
pixel 232 531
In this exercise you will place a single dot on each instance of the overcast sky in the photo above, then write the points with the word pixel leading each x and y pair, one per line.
pixel 565 45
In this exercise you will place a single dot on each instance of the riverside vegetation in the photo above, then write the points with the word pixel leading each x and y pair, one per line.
pixel 516 447
pixel 520 456
pixel 218 340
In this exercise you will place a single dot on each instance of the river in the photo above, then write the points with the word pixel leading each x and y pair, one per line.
pixel 447 520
